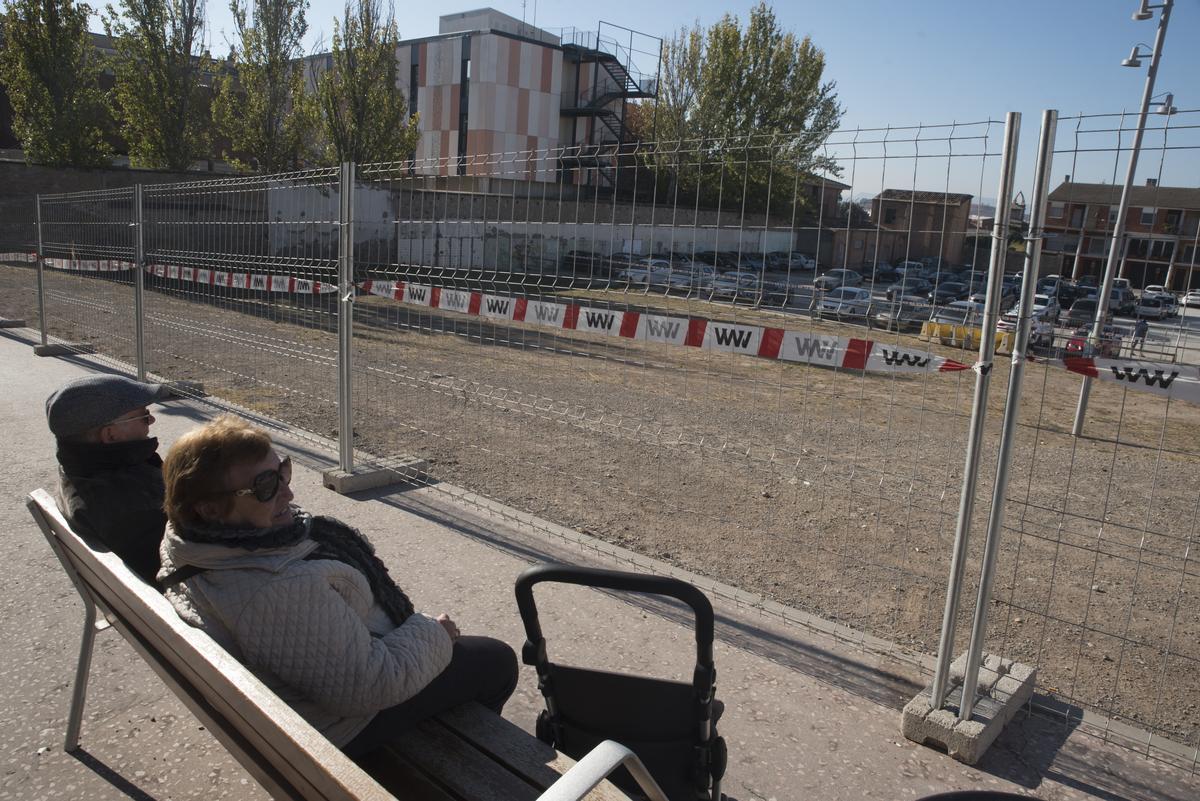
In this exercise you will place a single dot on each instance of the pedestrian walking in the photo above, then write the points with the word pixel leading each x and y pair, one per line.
pixel 1139 337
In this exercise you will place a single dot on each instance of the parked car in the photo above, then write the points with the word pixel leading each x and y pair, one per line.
pixel 801 261
pixel 880 273
pixel 837 278
pixel 752 262
pixel 738 286
pixel 947 293
pixel 695 276
pixel 909 287
pixel 904 267
pixel 1169 301
pixel 1150 308
pixel 1044 313
pixel 583 263
pixel 1192 298
pixel 647 272
pixel 846 302
pixel 1110 342
pixel 960 312
pixel 1007 297
pixel 1082 312
pixel 1122 301
pixel 901 316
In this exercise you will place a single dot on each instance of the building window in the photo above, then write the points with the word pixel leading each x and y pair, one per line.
pixel 1173 218
pixel 1162 249
pixel 1057 210
pixel 1112 215
pixel 1148 215
pixel 1077 217
pixel 889 216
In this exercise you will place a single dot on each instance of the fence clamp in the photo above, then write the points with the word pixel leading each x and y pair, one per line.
pixel 983 368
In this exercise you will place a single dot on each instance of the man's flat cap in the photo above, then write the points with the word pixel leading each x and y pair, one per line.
pixel 97 400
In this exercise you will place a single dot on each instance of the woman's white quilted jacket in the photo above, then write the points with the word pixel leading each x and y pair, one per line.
pixel 309 629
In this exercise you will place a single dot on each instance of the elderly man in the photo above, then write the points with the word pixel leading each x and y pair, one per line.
pixel 110 474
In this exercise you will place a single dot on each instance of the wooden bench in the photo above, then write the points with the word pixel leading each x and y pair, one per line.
pixel 467 753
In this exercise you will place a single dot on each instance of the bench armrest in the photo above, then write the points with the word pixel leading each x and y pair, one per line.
pixel 588 772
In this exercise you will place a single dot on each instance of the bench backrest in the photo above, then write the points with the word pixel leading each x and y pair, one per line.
pixel 279 748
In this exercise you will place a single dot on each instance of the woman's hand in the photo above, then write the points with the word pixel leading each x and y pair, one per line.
pixel 449 625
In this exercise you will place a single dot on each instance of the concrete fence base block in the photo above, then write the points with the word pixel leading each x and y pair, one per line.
pixel 1004 687
pixel 63 349
pixel 406 472
pixel 6 323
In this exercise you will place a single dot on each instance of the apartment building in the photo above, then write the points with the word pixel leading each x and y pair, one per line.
pixel 1162 227
pixel 499 97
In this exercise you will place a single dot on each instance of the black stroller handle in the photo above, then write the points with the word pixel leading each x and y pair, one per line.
pixel 615 580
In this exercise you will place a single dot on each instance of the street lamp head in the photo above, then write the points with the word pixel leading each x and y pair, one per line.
pixel 1135 56
pixel 1143 12
pixel 1167 108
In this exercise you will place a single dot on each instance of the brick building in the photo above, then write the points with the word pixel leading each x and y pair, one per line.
pixel 906 224
pixel 1161 232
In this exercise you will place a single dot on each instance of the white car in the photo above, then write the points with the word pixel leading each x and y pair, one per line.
pixel 837 278
pixel 647 272
pixel 693 276
pixel 1169 301
pixel 1042 317
pixel 737 285
pixel 846 301
pixel 1150 308
pixel 960 312
pixel 1192 298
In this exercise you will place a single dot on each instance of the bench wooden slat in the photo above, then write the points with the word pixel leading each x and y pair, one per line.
pixel 533 760
pixel 403 778
pixel 456 764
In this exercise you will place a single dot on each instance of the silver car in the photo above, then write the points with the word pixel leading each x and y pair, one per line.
pixel 837 278
pixel 846 302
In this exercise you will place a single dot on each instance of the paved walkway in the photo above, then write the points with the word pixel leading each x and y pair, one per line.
pixel 805 719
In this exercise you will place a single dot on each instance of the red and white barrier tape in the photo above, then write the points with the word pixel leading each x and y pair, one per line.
pixel 751 340
pixel 88 265
pixel 242 280
pixel 1177 381
pixel 28 258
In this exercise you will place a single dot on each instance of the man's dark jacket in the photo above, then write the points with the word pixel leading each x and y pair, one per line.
pixel 114 494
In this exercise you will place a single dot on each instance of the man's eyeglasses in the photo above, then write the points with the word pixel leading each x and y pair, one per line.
pixel 138 419
pixel 267 483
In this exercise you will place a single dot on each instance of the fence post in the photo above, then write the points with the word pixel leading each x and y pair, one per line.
pixel 346 318
pixel 1033 255
pixel 983 370
pixel 346 477
pixel 139 282
pixel 41 283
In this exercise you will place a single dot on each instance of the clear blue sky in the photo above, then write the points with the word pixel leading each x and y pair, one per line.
pixel 915 61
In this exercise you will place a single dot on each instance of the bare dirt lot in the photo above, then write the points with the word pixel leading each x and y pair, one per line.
pixel 835 492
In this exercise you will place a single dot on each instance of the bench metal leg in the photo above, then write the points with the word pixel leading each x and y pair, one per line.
pixel 79 689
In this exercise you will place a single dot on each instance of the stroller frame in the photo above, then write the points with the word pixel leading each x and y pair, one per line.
pixel 670 725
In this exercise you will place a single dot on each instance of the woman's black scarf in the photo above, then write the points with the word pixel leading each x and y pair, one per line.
pixel 335 540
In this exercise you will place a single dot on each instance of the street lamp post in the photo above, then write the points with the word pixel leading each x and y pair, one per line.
pixel 1114 253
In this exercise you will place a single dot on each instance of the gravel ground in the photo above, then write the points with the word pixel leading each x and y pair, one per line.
pixel 833 492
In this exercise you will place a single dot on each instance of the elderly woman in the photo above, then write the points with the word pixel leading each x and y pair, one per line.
pixel 304 601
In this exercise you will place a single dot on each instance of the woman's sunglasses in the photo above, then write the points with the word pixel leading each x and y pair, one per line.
pixel 267 483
